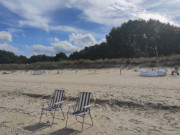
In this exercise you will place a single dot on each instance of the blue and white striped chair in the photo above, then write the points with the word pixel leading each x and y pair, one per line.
pixel 82 107
pixel 54 104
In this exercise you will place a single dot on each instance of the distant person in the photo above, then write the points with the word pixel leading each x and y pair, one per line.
pixel 175 71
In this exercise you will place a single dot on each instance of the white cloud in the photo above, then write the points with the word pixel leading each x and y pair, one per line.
pixel 103 40
pixel 76 42
pixel 121 11
pixel 23 35
pixel 64 46
pixel 38 13
pixel 41 23
pixel 56 47
pixel 146 16
pixel 66 29
pixel 12 30
pixel 41 49
pixel 82 40
pixel 5 36
pixel 33 12
pixel 10 48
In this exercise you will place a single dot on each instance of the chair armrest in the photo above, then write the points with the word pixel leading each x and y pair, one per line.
pixel 59 102
pixel 72 104
pixel 48 100
pixel 88 106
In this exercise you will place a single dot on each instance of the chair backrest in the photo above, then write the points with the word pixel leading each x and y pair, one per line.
pixel 58 96
pixel 85 100
pixel 176 68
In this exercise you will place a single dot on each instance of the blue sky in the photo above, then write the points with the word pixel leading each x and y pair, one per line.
pixel 31 27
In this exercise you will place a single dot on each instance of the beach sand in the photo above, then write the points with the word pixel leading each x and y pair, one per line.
pixel 124 104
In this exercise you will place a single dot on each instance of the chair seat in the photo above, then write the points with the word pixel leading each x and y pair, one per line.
pixel 49 108
pixel 77 113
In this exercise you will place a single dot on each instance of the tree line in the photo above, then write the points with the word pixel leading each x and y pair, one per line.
pixel 138 38
pixel 10 58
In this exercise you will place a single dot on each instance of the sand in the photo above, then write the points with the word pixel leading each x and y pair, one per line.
pixel 124 104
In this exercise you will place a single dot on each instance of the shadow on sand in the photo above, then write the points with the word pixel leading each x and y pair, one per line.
pixel 65 131
pixel 35 127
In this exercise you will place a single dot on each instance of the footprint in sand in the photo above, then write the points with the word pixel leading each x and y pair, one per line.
pixel 154 132
pixel 135 121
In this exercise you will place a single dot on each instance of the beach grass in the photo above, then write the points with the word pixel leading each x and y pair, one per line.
pixel 173 60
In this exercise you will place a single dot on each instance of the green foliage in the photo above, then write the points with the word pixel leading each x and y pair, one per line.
pixel 173 60
pixel 39 58
pixel 8 57
pixel 92 53
pixel 60 56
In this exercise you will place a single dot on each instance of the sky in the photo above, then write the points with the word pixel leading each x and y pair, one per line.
pixel 35 27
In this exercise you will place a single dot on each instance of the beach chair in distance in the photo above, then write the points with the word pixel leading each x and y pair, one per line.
pixel 175 71
pixel 81 107
pixel 53 104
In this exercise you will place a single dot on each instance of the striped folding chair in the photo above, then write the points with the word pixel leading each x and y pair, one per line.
pixel 53 104
pixel 81 108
